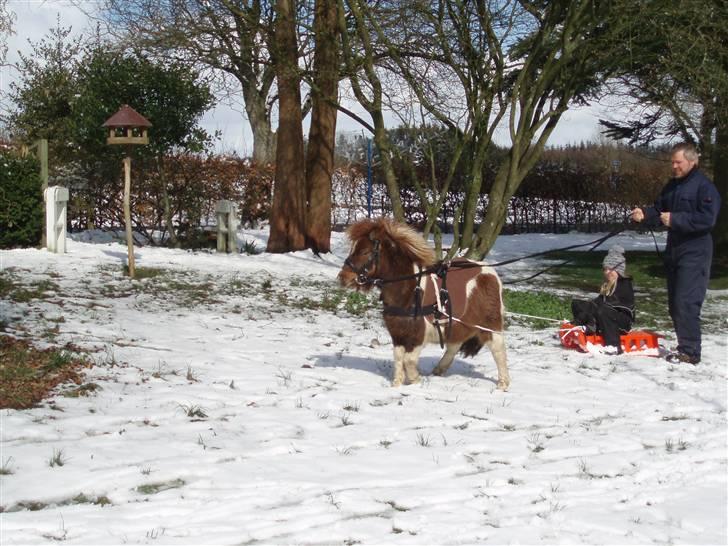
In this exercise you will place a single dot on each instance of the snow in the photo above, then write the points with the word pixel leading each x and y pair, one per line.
pixel 227 417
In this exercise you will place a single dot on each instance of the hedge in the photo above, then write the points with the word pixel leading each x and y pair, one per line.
pixel 21 201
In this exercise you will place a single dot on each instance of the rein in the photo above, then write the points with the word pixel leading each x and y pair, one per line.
pixel 440 268
pixel 443 307
pixel 594 244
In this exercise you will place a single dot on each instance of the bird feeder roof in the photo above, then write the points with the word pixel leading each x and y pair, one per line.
pixel 127 117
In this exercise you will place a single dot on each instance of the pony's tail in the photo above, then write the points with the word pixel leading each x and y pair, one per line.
pixel 471 347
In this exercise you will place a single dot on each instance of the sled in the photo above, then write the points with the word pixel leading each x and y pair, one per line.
pixel 573 337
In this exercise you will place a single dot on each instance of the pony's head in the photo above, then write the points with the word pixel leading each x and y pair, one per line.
pixel 381 249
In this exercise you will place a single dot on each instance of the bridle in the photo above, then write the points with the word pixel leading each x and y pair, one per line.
pixel 439 310
pixel 362 273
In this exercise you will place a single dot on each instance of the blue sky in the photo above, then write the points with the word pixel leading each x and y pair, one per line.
pixel 34 18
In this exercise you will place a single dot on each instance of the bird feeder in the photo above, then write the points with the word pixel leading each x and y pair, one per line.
pixel 128 127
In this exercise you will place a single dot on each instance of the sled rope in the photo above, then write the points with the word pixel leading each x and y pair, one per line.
pixel 533 317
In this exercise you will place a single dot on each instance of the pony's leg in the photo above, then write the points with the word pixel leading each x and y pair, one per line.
pixel 405 364
pixel 497 348
pixel 450 351
pixel 398 366
pixel 410 365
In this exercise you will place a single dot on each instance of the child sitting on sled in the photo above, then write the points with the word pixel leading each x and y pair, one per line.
pixel 612 311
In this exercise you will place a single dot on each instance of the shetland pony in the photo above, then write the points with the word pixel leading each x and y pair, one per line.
pixel 459 304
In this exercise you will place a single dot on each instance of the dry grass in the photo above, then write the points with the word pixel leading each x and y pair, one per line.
pixel 28 375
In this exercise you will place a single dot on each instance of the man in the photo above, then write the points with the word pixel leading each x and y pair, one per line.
pixel 688 205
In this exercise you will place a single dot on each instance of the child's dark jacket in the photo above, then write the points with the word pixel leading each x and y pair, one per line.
pixel 622 299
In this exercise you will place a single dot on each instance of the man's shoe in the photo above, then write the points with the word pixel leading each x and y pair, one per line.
pixel 678 358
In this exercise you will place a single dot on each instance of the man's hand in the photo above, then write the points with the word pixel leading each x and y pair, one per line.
pixel 665 218
pixel 638 215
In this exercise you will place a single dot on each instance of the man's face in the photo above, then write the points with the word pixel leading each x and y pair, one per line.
pixel 680 165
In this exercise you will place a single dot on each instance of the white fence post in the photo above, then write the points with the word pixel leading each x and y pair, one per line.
pixel 56 198
pixel 227 226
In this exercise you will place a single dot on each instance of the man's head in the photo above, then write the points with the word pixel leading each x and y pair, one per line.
pixel 684 158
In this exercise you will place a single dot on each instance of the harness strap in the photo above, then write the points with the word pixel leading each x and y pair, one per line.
pixel 437 314
pixel 362 277
pixel 411 312
pixel 444 295
pixel 468 264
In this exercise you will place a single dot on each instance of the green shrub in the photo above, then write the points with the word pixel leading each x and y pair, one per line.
pixel 21 201
pixel 539 304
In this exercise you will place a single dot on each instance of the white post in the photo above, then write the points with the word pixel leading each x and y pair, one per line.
pixel 56 198
pixel 227 226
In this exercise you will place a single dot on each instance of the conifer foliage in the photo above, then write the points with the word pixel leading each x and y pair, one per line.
pixel 21 201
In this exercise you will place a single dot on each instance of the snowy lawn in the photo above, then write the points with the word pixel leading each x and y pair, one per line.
pixel 246 400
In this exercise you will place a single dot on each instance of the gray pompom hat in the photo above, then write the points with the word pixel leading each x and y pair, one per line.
pixel 615 260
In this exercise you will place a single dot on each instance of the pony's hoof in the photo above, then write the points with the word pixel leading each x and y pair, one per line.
pixel 415 380
pixel 438 371
pixel 396 382
pixel 503 385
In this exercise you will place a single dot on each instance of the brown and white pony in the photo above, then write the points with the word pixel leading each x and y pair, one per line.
pixel 394 257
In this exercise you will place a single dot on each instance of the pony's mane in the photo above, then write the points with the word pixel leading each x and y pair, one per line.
pixel 401 235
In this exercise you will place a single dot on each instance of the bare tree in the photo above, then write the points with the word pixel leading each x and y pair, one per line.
pixel 264 46
pixel 231 38
pixel 558 61
pixel 360 57
pixel 470 65
pixel 7 18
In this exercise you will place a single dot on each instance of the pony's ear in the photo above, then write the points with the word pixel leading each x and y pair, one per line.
pixel 407 241
pixel 360 229
pixel 380 232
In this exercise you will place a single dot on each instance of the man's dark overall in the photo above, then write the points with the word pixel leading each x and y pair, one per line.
pixel 693 203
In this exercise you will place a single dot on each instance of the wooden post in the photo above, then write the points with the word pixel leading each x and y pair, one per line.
pixel 127 127
pixel 127 214
pixel 42 145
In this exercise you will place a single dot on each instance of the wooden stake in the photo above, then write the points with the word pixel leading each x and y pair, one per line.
pixel 127 214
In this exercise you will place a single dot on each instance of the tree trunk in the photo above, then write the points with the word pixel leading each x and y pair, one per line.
pixel 288 213
pixel 521 159
pixel 382 142
pixel 167 208
pixel 473 194
pixel 168 222
pixel 490 227
pixel 322 135
pixel 264 138
pixel 371 100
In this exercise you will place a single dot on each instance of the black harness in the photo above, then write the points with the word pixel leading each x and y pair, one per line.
pixel 362 276
pixel 440 310
pixel 444 309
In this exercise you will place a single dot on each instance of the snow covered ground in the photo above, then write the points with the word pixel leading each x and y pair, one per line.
pixel 232 410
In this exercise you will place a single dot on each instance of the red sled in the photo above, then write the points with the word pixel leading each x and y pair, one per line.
pixel 573 337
